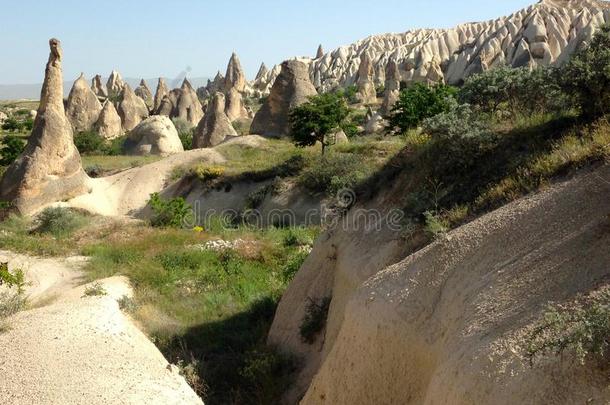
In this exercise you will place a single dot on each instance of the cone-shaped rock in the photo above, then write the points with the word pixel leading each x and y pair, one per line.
pixel 143 91
pixel 392 87
pixel 320 52
pixel 155 135
pixel 367 93
pixel 162 91
pixel 262 71
pixel 108 125
pixel 215 125
pixel 99 89
pixel 187 106
pixel 132 108
pixel 235 77
pixel 235 108
pixel 291 89
pixel 115 83
pixel 49 170
pixel 83 108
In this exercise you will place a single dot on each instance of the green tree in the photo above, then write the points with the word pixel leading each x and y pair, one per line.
pixel 11 148
pixel 587 76
pixel 314 120
pixel 418 102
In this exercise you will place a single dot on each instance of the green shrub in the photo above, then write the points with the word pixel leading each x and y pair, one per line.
pixel 582 328
pixel 435 226
pixel 10 148
pixel 207 173
pixel 265 372
pixel 59 222
pixel 174 212
pixel 314 120
pixel 293 265
pixel 90 143
pixel 185 132
pixel 314 320
pixel 329 174
pixel 16 278
pixel 418 102
pixel 95 290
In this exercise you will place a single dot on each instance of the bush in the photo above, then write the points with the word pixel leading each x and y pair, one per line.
pixel 59 222
pixel 207 173
pixel 587 76
pixel 315 319
pixel 185 132
pixel 419 102
pixel 95 290
pixel 14 279
pixel 329 174
pixel 11 148
pixel 312 121
pixel 90 143
pixel 175 212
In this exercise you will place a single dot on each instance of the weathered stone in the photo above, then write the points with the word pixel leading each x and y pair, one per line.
pixel 132 108
pixel 187 105
pixel 367 93
pixel 162 91
pixel 392 87
pixel 235 77
pixel 108 125
pixel 143 91
pixel 83 107
pixel 320 52
pixel 99 89
pixel 291 89
pixel 50 169
pixel 262 71
pixel 155 135
pixel 115 83
pixel 215 125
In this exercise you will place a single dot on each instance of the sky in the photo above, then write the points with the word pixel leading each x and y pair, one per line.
pixel 156 38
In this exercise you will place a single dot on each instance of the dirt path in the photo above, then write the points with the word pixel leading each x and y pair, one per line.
pixel 71 349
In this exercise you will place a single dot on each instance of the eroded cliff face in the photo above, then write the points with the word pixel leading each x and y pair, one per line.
pixel 543 34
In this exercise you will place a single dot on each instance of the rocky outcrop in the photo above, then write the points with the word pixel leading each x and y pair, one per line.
pixel 262 71
pixel 49 170
pixel 291 89
pixel 187 105
pixel 235 108
pixel 392 87
pixel 144 92
pixel 98 88
pixel 320 52
pixel 374 124
pixel 155 135
pixel 115 83
pixel 215 125
pixel 367 93
pixel 235 77
pixel 83 107
pixel 108 125
pixel 132 108
pixel 162 91
pixel 546 33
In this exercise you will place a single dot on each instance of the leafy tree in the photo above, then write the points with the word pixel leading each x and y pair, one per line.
pixel 587 76
pixel 418 102
pixel 314 120
pixel 12 147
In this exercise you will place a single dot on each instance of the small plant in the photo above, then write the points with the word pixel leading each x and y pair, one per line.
pixel 257 197
pixel 185 132
pixel 10 149
pixel 435 226
pixel 95 290
pixel 88 143
pixel 14 279
pixel 127 304
pixel 314 320
pixel 59 221
pixel 207 173
pixel 174 212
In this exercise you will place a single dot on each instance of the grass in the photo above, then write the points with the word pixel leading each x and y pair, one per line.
pixel 113 164
pixel 95 290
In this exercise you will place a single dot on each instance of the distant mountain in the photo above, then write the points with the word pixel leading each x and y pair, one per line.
pixel 32 91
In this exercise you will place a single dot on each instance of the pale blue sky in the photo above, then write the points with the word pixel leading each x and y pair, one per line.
pixel 162 38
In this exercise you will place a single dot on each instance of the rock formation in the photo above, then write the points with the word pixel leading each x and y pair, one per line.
pixel 262 71
pixel 392 87
pixel 115 83
pixel 132 108
pixel 215 125
pixel 155 135
pixel 143 91
pixel 187 105
pixel 374 124
pixel 320 52
pixel 108 125
pixel 367 94
pixel 235 108
pixel 235 77
pixel 546 33
pixel 83 107
pixel 99 89
pixel 162 91
pixel 49 169
pixel 291 89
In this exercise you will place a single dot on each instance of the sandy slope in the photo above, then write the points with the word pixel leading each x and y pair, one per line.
pixel 80 350
pixel 449 324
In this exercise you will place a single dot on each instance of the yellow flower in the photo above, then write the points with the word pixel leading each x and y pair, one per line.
pixel 198 229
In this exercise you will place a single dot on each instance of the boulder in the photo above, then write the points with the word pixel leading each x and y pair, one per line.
pixel 215 125
pixel 143 91
pixel 340 137
pixel 115 83
pixel 162 91
pixel 50 169
pixel 375 124
pixel 98 88
pixel 108 125
pixel 155 135
pixel 291 89
pixel 83 107
pixel 132 108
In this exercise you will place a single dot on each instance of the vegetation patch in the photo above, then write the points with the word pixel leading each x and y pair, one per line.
pixel 314 320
